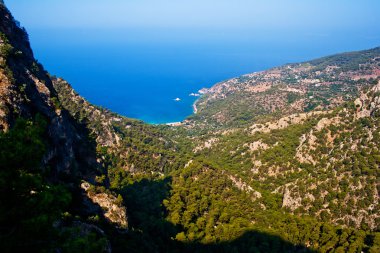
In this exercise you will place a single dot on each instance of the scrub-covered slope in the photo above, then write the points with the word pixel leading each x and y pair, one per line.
pixel 305 174
pixel 315 85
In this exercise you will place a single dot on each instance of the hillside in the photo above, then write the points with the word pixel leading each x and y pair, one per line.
pixel 294 88
pixel 323 159
pixel 45 153
pixel 284 160
pixel 316 163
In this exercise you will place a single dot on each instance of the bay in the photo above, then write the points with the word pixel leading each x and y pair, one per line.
pixel 139 73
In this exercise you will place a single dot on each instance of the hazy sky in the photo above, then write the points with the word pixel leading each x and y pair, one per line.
pixel 246 14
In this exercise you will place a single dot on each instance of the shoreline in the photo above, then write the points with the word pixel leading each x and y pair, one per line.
pixel 195 109
pixel 179 123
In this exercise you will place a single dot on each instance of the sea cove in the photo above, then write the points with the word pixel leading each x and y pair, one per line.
pixel 139 73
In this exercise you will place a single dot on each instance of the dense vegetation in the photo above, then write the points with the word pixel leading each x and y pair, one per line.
pixel 193 203
pixel 30 203
pixel 346 61
pixel 198 209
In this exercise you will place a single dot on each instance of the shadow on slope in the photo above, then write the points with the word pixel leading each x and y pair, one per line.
pixel 151 232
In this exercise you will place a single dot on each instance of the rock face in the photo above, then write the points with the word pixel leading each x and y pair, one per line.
pixel 244 187
pixel 26 90
pixel 98 121
pixel 289 201
pixel 111 206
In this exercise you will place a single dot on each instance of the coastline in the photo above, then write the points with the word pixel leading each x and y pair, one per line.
pixel 174 124
pixel 195 109
pixel 200 92
pixel 179 123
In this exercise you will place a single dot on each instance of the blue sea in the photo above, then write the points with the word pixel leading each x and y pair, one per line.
pixel 140 72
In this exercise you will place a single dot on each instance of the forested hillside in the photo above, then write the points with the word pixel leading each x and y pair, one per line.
pixel 284 160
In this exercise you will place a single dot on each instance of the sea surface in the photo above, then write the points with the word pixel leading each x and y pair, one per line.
pixel 140 72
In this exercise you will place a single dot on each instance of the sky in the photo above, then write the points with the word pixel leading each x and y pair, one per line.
pixel 316 15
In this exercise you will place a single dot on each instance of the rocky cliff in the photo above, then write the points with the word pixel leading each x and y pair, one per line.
pixel 27 90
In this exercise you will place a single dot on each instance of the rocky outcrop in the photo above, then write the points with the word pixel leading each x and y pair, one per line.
pixel 256 145
pixel 285 122
pixel 241 185
pixel 206 145
pixel 290 201
pixel 111 206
